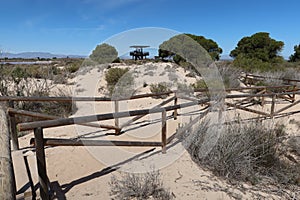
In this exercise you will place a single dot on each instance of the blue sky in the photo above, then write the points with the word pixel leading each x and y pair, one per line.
pixel 77 26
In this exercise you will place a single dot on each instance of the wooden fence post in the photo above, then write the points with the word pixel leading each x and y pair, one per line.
pixel 273 105
pixel 294 96
pixel 13 127
pixel 33 193
pixel 246 79
pixel 41 163
pixel 7 178
pixel 117 122
pixel 164 131
pixel 175 103
pixel 263 98
pixel 13 131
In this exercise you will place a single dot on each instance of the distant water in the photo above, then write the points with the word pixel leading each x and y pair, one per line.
pixel 26 62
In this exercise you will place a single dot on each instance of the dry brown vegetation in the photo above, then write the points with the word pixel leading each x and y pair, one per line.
pixel 249 152
pixel 139 186
pixel 39 80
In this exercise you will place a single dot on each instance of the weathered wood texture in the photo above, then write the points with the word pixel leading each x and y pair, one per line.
pixel 92 118
pixel 7 180
pixel 164 131
pixel 140 116
pixel 13 132
pixel 41 163
pixel 69 142
pixel 12 111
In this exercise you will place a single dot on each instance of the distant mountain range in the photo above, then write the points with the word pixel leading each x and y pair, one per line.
pixel 30 55
pixel 226 57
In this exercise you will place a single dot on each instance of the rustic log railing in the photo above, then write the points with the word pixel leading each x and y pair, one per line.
pixel 54 121
pixel 40 141
pixel 118 128
pixel 253 76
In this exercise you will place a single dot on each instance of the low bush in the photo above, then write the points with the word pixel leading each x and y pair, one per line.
pixel 113 75
pixel 256 65
pixel 244 152
pixel 230 76
pixel 199 84
pixel 278 78
pixel 184 89
pixel 19 81
pixel 160 88
pixel 139 186
pixel 118 80
pixel 73 68
pixel 60 109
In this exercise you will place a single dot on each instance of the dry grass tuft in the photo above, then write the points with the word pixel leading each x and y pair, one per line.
pixel 139 186
pixel 245 152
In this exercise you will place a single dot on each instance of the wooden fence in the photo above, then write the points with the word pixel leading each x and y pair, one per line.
pixel 286 92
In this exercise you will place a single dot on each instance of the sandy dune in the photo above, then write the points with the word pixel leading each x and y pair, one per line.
pixel 84 172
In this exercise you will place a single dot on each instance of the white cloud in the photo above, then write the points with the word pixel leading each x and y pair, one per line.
pixel 111 4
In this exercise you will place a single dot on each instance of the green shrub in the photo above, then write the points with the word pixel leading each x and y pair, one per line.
pixel 160 88
pixel 73 68
pixel 19 73
pixel 256 65
pixel 199 84
pixel 117 60
pixel 114 75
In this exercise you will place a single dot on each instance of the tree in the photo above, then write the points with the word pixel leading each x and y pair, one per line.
pixel 104 53
pixel 208 44
pixel 296 56
pixel 164 54
pixel 258 46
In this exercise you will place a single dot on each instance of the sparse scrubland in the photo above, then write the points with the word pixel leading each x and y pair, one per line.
pixel 39 80
pixel 255 153
pixel 246 152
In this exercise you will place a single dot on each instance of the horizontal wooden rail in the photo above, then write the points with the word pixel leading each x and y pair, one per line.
pixel 50 117
pixel 100 117
pixel 232 96
pixel 57 99
pixel 31 114
pixel 246 88
pixel 140 116
pixel 70 99
pixel 70 142
pixel 181 131
pixel 246 109
pixel 265 77
pixel 249 98
pixel 92 118
pixel 287 107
